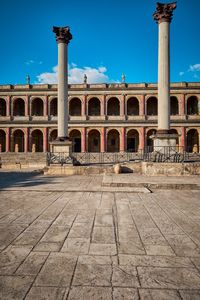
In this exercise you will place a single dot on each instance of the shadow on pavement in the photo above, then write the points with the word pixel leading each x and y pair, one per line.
pixel 22 178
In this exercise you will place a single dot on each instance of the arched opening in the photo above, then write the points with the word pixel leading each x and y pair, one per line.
pixel 94 106
pixel 173 106
pixel 2 141
pixel 113 107
pixel 113 141
pixel 150 140
pixel 93 141
pixel 132 140
pixel 75 137
pixel 54 107
pixel 133 106
pixel 192 106
pixel 152 106
pixel 53 135
pixel 174 131
pixel 2 107
pixel 75 107
pixel 18 141
pixel 192 141
pixel 37 107
pixel 37 141
pixel 18 107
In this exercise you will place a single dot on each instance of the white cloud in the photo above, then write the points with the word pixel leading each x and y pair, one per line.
pixel 31 62
pixel 194 68
pixel 76 75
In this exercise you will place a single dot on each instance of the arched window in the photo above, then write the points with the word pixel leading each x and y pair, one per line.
pixel 152 106
pixel 37 141
pixel 18 107
pixel 37 107
pixel 18 141
pixel 113 107
pixel 75 107
pixel 94 107
pixel 53 135
pixel 132 140
pixel 192 106
pixel 75 137
pixel 54 107
pixel 133 106
pixel 192 141
pixel 150 133
pixel 2 107
pixel 173 106
pixel 93 141
pixel 113 141
pixel 2 141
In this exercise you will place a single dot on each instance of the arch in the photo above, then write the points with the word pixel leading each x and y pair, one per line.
pixel 75 137
pixel 113 141
pixel 192 140
pixel 94 141
pixel 54 107
pixel 18 107
pixel 152 106
pixel 2 107
pixel 174 131
pixel 37 107
pixel 132 141
pixel 132 106
pixel 2 141
pixel 113 107
pixel 94 107
pixel 53 135
pixel 192 106
pixel 174 106
pixel 18 141
pixel 37 141
pixel 149 142
pixel 75 107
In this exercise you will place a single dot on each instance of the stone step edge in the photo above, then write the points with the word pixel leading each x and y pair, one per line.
pixel 177 186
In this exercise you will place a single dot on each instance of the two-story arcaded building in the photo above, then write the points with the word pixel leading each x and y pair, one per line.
pixel 102 117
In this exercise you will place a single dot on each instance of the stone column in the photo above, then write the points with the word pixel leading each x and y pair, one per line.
pixel 163 17
pixel 122 105
pixel 142 106
pixel 8 106
pixel 83 107
pixel 142 138
pixel 26 147
pixel 63 36
pixel 103 105
pixel 183 105
pixel 103 139
pixel 27 106
pixel 45 140
pixel 8 140
pixel 83 140
pixel 122 140
pixel 182 140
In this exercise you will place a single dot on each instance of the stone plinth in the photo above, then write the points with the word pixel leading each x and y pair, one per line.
pixel 61 147
pixel 161 141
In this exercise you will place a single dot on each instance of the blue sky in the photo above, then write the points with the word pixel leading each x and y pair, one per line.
pixel 109 37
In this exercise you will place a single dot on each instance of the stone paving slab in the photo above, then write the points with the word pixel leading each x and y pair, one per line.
pixel 97 245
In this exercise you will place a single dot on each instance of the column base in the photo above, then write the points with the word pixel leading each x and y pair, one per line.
pixel 61 152
pixel 162 141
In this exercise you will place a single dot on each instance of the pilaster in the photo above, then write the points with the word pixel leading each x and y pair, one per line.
pixel 8 139
pixel 122 140
pixel 8 106
pixel 142 105
pixel 103 139
pixel 83 140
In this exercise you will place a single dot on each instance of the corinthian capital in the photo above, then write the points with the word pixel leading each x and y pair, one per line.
pixel 164 12
pixel 62 34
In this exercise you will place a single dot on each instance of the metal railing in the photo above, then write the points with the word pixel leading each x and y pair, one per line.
pixel 149 154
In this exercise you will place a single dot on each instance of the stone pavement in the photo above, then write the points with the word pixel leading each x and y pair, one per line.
pixel 61 239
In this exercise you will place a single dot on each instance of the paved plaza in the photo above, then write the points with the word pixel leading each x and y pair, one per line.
pixel 74 238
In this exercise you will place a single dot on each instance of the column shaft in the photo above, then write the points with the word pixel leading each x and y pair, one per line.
pixel 83 140
pixel 163 77
pixel 142 138
pixel 26 140
pixel 183 138
pixel 103 139
pixel 142 105
pixel 122 140
pixel 8 140
pixel 62 91
pixel 26 106
pixel 8 107
pixel 183 105
pixel 122 104
pixel 45 140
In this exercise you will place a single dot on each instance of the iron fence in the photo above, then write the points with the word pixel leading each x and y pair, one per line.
pixel 149 154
